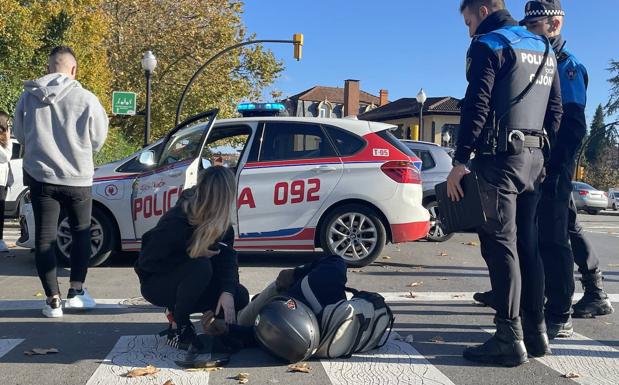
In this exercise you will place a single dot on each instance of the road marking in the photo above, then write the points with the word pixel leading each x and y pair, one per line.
pixel 6 345
pixel 593 362
pixel 140 303
pixel 132 352
pixel 395 363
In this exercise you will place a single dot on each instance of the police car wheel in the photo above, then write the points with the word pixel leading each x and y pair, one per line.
pixel 102 239
pixel 355 233
pixel 436 232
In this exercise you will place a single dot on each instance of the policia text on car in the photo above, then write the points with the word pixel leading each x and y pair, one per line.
pixel 504 113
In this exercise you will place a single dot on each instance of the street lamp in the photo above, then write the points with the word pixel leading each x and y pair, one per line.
pixel 421 99
pixel 149 62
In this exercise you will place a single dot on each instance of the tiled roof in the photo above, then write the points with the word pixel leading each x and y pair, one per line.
pixel 333 94
pixel 410 107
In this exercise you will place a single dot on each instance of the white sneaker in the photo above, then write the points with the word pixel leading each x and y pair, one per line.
pixel 77 300
pixel 3 247
pixel 53 309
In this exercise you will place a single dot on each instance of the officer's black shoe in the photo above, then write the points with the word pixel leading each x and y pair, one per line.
pixel 485 298
pixel 505 348
pixel 595 300
pixel 559 329
pixel 535 337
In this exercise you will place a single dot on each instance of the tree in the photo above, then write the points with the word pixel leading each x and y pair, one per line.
pixel 598 137
pixel 183 34
pixel 613 103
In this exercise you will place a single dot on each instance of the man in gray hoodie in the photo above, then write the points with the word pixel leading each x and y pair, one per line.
pixel 60 124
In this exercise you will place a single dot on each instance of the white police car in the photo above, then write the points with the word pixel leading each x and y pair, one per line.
pixel 346 186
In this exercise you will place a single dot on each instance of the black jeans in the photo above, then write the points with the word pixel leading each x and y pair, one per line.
pixel 584 254
pixel 509 189
pixel 76 203
pixel 3 191
pixel 189 288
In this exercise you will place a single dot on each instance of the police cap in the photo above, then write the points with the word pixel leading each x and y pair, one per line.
pixel 540 9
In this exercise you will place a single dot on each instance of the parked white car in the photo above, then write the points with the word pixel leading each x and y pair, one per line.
pixel 346 186
pixel 17 189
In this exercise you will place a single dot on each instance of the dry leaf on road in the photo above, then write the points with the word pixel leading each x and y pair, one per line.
pixel 38 294
pixel 386 257
pixel 443 254
pixel 437 340
pixel 415 284
pixel 457 295
pixel 300 368
pixel 40 351
pixel 356 271
pixel 571 375
pixel 243 378
pixel 168 382
pixel 443 278
pixel 204 369
pixel 472 243
pixel 149 370
pixel 410 295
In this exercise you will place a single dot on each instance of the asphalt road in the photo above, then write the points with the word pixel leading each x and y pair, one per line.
pixel 428 285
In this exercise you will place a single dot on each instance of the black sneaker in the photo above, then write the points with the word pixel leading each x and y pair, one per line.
pixel 186 338
pixel 559 329
pixel 485 298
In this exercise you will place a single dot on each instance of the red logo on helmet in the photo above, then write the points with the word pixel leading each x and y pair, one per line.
pixel 291 304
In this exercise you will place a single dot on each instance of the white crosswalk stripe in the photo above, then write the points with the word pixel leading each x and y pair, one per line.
pixel 131 352
pixel 6 345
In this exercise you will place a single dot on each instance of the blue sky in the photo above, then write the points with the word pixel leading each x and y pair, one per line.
pixel 403 45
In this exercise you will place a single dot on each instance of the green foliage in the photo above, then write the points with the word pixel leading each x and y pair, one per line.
pixel 598 135
pixel 613 103
pixel 116 147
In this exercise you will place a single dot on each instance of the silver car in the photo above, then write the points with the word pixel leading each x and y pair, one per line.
pixel 613 199
pixel 588 199
pixel 434 170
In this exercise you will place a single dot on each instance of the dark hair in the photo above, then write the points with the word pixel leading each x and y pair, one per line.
pixel 492 4
pixel 4 127
pixel 63 49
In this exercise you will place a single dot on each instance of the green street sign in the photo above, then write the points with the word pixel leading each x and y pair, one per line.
pixel 123 103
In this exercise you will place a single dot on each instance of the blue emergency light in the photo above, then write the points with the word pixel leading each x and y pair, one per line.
pixel 261 109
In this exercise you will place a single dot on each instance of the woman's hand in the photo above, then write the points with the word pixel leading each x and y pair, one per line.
pixel 226 302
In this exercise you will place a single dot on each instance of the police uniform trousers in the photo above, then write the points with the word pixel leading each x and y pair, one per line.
pixel 562 243
pixel 509 186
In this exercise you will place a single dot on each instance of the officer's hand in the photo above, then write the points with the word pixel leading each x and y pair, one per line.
pixel 226 302
pixel 454 189
pixel 284 280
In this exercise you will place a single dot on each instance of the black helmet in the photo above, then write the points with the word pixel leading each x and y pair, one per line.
pixel 288 329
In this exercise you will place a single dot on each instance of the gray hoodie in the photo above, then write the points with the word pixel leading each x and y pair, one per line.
pixel 60 124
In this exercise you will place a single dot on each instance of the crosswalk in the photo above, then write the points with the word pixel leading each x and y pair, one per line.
pixel 403 360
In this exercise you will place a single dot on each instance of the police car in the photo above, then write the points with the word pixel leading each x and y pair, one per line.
pixel 346 186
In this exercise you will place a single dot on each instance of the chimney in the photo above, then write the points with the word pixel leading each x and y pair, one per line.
pixel 351 97
pixel 384 95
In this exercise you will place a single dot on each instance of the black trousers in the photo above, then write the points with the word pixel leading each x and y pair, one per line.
pixel 76 202
pixel 189 288
pixel 3 192
pixel 562 243
pixel 509 187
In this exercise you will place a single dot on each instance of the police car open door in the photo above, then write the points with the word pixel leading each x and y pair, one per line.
pixel 177 165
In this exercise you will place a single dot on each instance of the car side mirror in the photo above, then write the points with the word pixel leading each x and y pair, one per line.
pixel 147 158
pixel 206 163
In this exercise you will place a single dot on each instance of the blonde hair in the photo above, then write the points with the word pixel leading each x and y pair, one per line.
pixel 209 209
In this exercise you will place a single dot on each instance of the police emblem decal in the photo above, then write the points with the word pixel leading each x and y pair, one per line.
pixel 291 304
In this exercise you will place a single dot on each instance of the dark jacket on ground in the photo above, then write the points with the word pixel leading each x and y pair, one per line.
pixel 484 67
pixel 165 246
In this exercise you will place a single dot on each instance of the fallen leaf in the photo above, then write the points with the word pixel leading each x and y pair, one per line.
pixel 417 267
pixel 457 296
pixel 443 278
pixel 443 254
pixel 608 323
pixel 571 375
pixel 472 243
pixel 410 295
pixel 40 351
pixel 300 368
pixel 149 370
pixel 437 340
pixel 38 294
pixel 386 257
pixel 11 245
pixel 415 284
pixel 356 271
pixel 204 369
pixel 168 382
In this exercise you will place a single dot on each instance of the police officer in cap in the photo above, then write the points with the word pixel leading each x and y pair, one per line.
pixel 556 214
pixel 513 94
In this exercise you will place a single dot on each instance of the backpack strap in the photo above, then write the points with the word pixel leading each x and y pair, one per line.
pixel 309 295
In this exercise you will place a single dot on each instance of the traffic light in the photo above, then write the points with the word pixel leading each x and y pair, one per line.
pixel 297 38
pixel 580 173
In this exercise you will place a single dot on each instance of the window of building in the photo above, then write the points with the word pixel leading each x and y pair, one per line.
pixel 288 140
pixel 325 109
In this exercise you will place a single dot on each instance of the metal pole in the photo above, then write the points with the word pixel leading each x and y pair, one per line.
pixel 147 112
pixel 421 121
pixel 179 108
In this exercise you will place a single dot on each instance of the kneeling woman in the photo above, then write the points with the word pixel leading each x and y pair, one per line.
pixel 187 263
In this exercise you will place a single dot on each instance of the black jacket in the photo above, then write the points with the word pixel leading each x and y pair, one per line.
pixel 484 66
pixel 165 246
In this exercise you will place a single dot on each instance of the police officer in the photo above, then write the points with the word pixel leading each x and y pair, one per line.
pixel 557 217
pixel 512 95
